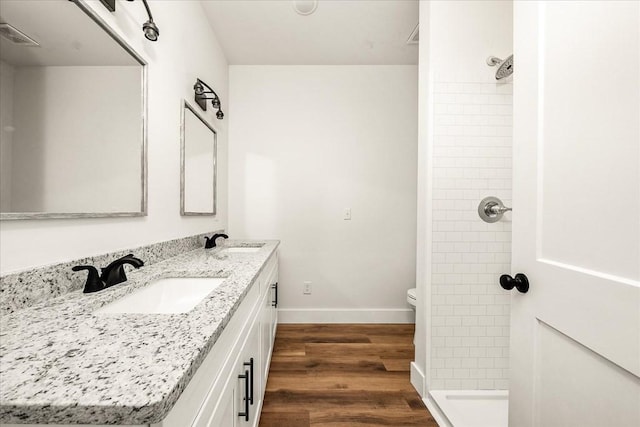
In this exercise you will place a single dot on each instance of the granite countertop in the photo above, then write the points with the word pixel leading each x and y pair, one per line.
pixel 60 363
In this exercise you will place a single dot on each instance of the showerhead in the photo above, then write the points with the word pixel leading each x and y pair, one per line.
pixel 505 67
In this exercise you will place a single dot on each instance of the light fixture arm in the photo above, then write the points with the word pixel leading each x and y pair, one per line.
pixel 146 6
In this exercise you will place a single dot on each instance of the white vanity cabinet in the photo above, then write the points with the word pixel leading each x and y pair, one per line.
pixel 236 369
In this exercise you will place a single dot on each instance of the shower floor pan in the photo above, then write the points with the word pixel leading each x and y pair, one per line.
pixel 473 408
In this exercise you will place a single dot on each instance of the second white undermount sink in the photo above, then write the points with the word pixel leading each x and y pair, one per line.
pixel 165 296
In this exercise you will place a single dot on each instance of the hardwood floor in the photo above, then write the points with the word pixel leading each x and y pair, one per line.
pixel 342 375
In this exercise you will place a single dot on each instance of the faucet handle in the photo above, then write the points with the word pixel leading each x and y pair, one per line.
pixel 94 282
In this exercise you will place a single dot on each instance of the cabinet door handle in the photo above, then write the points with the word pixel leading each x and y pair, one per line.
pixel 245 414
pixel 250 365
pixel 275 300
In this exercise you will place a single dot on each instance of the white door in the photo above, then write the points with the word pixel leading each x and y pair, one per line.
pixel 575 336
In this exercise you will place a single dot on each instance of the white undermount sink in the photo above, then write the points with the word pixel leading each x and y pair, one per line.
pixel 170 295
pixel 242 249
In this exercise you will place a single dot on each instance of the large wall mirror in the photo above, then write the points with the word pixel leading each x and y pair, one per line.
pixel 72 114
pixel 198 150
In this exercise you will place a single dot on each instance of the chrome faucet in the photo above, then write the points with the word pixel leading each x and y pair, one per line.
pixel 111 275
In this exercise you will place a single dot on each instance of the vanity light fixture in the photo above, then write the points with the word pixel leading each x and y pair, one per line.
pixel 150 29
pixel 202 90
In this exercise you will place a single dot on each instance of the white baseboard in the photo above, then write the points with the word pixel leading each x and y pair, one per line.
pixel 436 412
pixel 417 379
pixel 331 315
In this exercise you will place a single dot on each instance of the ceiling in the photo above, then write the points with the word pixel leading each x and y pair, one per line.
pixel 339 32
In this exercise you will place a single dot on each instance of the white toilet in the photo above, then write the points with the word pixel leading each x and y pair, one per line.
pixel 411 298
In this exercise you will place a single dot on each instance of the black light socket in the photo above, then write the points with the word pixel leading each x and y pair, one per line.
pixel 149 28
pixel 151 31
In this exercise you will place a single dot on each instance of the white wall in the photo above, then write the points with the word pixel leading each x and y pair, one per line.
pixel 464 33
pixel 187 48
pixel 77 140
pixel 468 148
pixel 308 142
pixel 6 134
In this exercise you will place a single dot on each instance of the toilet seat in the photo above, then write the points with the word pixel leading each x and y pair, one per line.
pixel 411 296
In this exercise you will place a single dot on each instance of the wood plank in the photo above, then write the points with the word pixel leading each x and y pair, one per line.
pixel 391 339
pixel 296 400
pixel 330 380
pixel 307 363
pixel 390 351
pixel 369 329
pixel 344 418
pixel 326 337
pixel 284 347
pixel 397 365
pixel 413 400
pixel 284 419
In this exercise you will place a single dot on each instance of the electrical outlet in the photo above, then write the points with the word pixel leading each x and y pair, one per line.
pixel 306 288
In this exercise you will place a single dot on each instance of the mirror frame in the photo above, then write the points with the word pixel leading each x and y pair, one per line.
pixel 143 202
pixel 186 106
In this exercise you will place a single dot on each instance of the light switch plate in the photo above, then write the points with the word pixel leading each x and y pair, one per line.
pixel 347 214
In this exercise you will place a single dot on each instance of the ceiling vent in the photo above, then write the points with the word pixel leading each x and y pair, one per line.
pixel 414 38
pixel 16 36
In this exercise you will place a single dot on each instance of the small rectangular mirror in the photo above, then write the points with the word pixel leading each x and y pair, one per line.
pixel 198 151
pixel 72 114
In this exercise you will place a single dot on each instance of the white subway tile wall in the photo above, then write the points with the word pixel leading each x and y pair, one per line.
pixel 471 160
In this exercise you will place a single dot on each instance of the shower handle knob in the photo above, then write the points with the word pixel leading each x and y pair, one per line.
pixel 520 282
pixel 491 209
